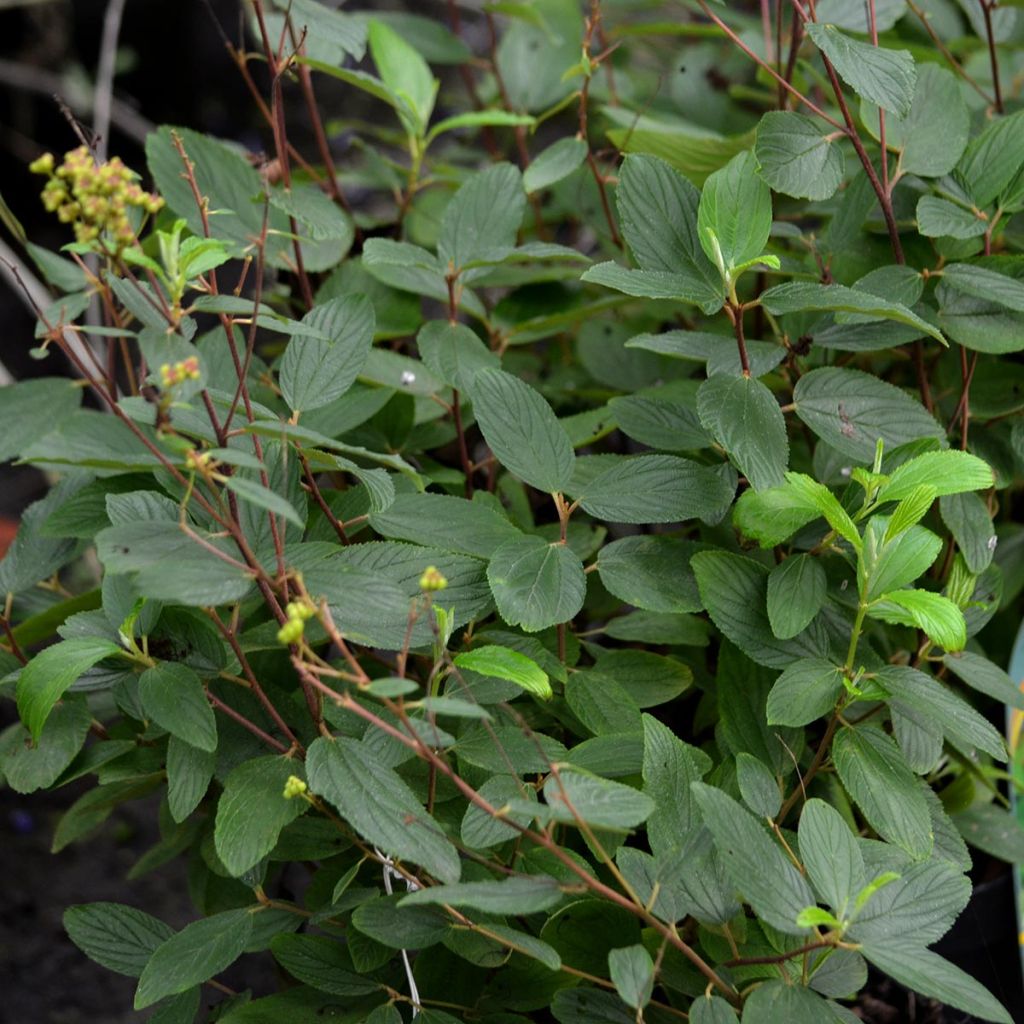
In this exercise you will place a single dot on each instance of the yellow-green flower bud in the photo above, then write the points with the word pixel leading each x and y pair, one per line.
pixel 293 787
pixel 42 165
pixel 432 579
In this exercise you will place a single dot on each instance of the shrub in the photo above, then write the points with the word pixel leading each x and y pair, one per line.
pixel 537 584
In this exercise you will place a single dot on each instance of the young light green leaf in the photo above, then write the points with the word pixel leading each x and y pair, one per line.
pixel 942 620
pixel 405 73
pixel 796 157
pixel 536 584
pixel 194 955
pixel 175 698
pixel 504 663
pixel 885 77
pixel 253 810
pixel 949 472
pixel 744 417
pixel 522 430
pixel 888 563
pixel 736 207
pixel 876 776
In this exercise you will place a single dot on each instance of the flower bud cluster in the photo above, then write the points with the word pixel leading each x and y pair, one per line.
pixel 94 198
pixel 187 369
pixel 293 787
pixel 298 613
pixel 432 579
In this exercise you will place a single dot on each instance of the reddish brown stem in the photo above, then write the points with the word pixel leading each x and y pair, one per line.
pixel 246 723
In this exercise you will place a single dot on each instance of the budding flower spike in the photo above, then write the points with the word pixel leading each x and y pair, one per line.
pixel 94 198
pixel 186 369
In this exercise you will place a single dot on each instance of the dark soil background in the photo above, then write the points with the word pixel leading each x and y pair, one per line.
pixel 176 71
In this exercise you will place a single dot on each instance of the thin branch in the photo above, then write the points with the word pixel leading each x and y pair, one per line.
pixel 993 56
pixel 103 97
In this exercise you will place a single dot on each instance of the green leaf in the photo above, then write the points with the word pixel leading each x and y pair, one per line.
pixel 189 771
pixel 993 158
pixel 949 472
pixel 657 489
pixel 479 119
pixel 796 593
pixel 401 927
pixel 314 371
pixel 734 589
pixel 32 408
pixel 736 206
pixel 452 524
pixel 503 663
pixel 174 697
pixel 526 895
pixel 806 296
pixel 631 970
pixel 536 584
pixel 481 221
pixel 806 690
pixel 932 136
pixel 931 975
pixel 253 810
pixel 988 285
pixel 379 805
pixel 650 572
pixel 938 218
pixel 919 907
pixel 831 855
pixel 601 803
pixel 876 776
pixel 796 157
pixel 681 286
pixel 481 830
pixel 117 937
pixel 967 518
pixel 194 955
pixel 45 678
pixel 885 77
pixel 322 964
pixel 555 163
pixel 758 786
pixel 888 562
pixel 982 675
pixel 992 829
pixel 522 430
pixel 405 73
pixel 658 213
pixel 708 1009
pixel 744 417
pixel 775 1001
pixel 939 617
pixel 28 766
pixel 650 679
pixel 851 410
pixel 263 497
pixel 755 863
pixel 669 770
pixel 453 353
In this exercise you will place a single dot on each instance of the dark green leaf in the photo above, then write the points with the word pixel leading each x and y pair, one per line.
pixel 174 697
pixel 117 937
pixel 796 157
pixel 536 584
pixel 796 593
